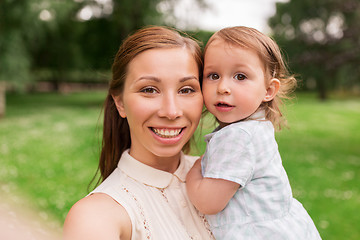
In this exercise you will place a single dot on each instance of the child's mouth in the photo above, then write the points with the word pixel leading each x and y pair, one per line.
pixel 223 105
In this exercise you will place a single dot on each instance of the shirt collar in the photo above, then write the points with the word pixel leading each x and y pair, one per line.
pixel 148 175
pixel 258 115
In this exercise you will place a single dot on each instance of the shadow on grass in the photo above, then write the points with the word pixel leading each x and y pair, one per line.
pixel 18 103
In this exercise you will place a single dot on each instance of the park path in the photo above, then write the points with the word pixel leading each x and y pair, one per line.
pixel 20 223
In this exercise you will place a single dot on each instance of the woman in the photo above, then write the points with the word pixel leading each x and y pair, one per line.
pixel 152 110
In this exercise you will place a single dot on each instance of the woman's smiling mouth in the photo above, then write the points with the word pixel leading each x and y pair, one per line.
pixel 166 132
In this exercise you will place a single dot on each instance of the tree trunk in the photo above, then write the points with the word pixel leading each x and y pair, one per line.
pixel 2 98
pixel 321 87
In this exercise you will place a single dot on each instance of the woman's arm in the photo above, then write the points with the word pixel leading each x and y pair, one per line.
pixel 209 195
pixel 97 216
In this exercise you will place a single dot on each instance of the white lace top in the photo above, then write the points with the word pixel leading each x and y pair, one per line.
pixel 155 200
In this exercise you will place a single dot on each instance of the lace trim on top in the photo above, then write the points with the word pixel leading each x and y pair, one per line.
pixel 145 222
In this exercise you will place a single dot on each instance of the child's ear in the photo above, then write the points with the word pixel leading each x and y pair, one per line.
pixel 119 105
pixel 272 90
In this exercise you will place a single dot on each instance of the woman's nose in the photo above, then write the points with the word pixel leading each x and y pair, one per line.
pixel 223 87
pixel 170 107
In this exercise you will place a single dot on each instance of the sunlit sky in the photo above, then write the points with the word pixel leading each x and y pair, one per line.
pixel 219 14
pixel 226 13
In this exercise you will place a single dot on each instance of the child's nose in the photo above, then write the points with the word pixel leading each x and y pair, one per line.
pixel 223 87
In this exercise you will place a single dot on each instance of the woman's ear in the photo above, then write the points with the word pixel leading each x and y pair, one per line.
pixel 272 89
pixel 119 105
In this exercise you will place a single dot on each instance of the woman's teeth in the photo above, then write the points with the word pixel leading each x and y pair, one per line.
pixel 167 133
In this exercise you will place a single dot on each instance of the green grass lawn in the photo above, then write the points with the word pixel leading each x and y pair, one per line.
pixel 49 147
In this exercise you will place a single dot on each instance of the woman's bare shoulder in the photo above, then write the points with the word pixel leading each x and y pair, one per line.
pixel 97 216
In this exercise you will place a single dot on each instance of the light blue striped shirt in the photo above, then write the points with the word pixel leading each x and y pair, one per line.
pixel 246 152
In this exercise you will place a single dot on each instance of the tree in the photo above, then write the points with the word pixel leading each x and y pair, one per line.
pixel 58 37
pixel 14 60
pixel 21 33
pixel 107 28
pixel 321 38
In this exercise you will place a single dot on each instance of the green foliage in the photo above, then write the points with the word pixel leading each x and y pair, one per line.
pixel 129 15
pixel 49 148
pixel 22 33
pixel 14 61
pixel 201 35
pixel 321 39
pixel 42 35
pixel 14 58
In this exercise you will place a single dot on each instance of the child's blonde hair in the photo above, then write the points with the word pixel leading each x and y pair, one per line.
pixel 274 65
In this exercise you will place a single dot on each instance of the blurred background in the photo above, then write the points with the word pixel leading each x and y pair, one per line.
pixel 55 60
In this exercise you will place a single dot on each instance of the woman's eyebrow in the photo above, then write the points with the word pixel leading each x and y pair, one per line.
pixel 155 79
pixel 152 78
pixel 184 79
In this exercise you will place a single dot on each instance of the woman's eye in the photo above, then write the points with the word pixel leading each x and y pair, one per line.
pixel 150 90
pixel 186 90
pixel 213 76
pixel 240 76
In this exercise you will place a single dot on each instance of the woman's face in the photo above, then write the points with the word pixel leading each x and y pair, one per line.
pixel 162 102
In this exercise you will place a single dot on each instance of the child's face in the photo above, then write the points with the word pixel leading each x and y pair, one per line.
pixel 233 83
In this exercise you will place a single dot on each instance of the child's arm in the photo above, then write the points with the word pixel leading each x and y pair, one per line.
pixel 209 195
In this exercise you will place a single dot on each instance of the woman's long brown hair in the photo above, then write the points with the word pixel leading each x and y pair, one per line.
pixel 116 132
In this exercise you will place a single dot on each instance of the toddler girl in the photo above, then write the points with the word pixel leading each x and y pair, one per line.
pixel 240 183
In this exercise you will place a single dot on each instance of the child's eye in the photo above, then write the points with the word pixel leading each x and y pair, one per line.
pixel 149 90
pixel 213 76
pixel 240 76
pixel 186 90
